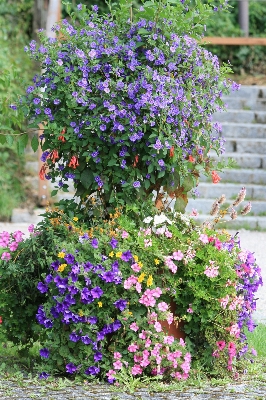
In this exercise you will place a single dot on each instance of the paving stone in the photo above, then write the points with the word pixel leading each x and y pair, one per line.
pixel 243 130
pixel 243 116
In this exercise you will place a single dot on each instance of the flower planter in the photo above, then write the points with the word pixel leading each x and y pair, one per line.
pixel 175 328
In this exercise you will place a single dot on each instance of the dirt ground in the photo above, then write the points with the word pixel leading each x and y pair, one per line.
pixel 244 79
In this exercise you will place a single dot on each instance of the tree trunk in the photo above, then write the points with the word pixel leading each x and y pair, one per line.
pixel 40 12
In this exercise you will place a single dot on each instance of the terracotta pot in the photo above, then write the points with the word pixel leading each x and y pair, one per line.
pixel 175 328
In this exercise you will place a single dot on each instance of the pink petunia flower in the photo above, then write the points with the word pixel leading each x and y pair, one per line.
pixel 124 235
pixel 5 256
pixel 13 246
pixel 117 364
pixel 117 355
pixel 136 370
pixel 134 327
pixel 133 347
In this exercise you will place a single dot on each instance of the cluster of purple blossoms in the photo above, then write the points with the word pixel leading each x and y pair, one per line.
pixel 63 282
pixel 126 85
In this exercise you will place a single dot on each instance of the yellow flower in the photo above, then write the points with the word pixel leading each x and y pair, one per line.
pixel 61 254
pixel 130 313
pixel 157 261
pixel 149 281
pixel 140 264
pixel 119 254
pixel 81 313
pixel 61 267
pixel 75 219
pixel 141 277
pixel 111 254
pixel 136 258
pixel 100 304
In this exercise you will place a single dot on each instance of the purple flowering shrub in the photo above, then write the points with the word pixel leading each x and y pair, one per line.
pixel 107 309
pixel 126 105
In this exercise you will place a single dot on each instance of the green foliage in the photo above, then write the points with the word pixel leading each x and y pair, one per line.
pixel 11 181
pixel 250 59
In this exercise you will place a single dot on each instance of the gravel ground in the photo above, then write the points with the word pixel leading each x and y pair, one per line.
pixel 255 390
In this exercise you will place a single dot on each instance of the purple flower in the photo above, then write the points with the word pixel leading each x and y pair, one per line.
pixel 113 243
pixel 126 256
pixel 98 356
pixel 108 276
pixel 92 370
pixel 13 106
pixel 36 100
pixel 136 184
pixel 70 259
pixel 96 292
pixel 42 287
pixel 43 375
pixel 120 304
pixel 74 337
pixel 95 243
pixel 116 325
pixel 57 101
pixel 95 8
pixel 71 368
pixel 44 353
pixel 86 340
pixel 93 320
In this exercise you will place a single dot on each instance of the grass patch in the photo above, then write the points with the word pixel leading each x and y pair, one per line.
pixel 257 340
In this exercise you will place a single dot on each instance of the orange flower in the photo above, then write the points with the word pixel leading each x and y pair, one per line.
pixel 73 162
pixel 215 177
pixel 53 156
pixel 191 158
pixel 42 172
pixel 136 161
pixel 172 151
pixel 61 137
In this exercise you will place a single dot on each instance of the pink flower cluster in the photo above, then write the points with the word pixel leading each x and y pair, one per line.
pixel 148 298
pixel 211 271
pixel 178 256
pixel 231 352
pixel 158 357
pixel 236 302
pixel 10 241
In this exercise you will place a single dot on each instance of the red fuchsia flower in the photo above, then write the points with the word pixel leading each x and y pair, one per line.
pixel 136 160
pixel 191 158
pixel 42 172
pixel 53 156
pixel 73 162
pixel 61 137
pixel 1 321
pixel 215 177
pixel 172 151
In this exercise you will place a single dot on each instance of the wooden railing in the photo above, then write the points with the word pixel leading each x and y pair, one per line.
pixel 235 41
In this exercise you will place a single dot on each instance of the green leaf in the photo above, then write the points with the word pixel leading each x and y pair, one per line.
pixel 180 205
pixel 86 178
pixel 9 139
pixel 22 143
pixel 54 193
pixel 34 143
pixel 143 31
